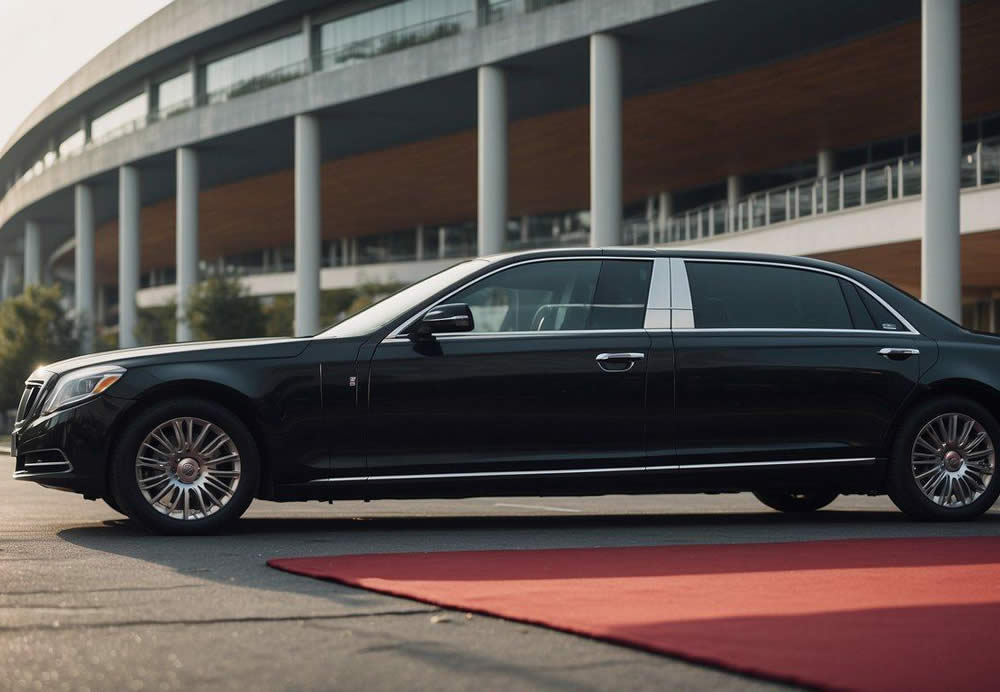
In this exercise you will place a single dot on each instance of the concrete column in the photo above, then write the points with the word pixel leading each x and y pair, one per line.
pixel 605 140
pixel 8 289
pixel 664 213
pixel 345 251
pixel 824 163
pixel 311 39
pixel 308 244
pixel 32 254
pixel 492 104
pixel 85 127
pixel 83 215
pixel 734 190
pixel 128 255
pixel 187 236
pixel 941 127
pixel 192 69
pixel 442 242
pixel 419 242
pixel 152 99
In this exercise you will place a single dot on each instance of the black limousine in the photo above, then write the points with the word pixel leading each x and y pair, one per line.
pixel 568 372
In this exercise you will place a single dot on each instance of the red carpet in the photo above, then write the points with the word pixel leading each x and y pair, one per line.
pixel 883 614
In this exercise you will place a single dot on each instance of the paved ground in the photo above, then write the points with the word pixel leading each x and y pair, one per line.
pixel 88 601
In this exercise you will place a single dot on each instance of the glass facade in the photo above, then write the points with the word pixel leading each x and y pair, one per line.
pixel 255 68
pixel 121 118
pixel 391 28
pixel 175 94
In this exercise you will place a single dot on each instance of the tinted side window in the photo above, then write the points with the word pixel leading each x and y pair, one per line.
pixel 753 296
pixel 620 300
pixel 537 296
pixel 859 313
pixel 884 319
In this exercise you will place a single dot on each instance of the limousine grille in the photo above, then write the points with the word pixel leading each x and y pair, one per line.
pixel 28 400
pixel 35 390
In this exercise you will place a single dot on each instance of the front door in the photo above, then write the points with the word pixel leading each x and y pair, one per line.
pixel 552 377
pixel 787 364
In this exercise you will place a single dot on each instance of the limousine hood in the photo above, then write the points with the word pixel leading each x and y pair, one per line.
pixel 234 349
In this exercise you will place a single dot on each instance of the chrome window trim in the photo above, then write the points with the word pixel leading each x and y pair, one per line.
pixel 396 334
pixel 603 469
pixel 787 330
pixel 658 297
pixel 910 329
pixel 511 335
pixel 680 288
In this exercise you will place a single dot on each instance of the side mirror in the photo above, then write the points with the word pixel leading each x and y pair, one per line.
pixel 442 319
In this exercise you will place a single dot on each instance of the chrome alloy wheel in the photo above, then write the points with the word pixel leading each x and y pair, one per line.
pixel 953 460
pixel 187 468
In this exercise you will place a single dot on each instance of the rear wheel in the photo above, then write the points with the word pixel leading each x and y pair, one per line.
pixel 186 466
pixel 796 501
pixel 112 503
pixel 943 463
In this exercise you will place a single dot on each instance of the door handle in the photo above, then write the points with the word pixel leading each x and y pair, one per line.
pixel 898 353
pixel 606 359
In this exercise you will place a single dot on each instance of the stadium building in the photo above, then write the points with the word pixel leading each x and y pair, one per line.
pixel 308 145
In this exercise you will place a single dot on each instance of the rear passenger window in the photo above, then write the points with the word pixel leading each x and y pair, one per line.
pixel 753 296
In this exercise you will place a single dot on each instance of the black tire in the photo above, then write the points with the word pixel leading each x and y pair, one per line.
pixel 125 484
pixel 112 503
pixel 901 482
pixel 796 501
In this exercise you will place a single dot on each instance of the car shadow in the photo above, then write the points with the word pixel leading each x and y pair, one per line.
pixel 253 540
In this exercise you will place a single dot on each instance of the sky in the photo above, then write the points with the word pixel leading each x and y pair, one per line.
pixel 42 42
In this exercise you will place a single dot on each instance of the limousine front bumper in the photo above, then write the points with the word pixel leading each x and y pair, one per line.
pixel 69 449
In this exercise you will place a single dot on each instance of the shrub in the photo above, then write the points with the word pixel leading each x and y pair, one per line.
pixel 222 308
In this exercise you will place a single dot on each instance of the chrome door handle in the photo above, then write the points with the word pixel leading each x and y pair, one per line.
pixel 898 353
pixel 606 359
pixel 619 356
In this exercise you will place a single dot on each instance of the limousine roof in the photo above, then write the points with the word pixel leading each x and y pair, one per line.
pixel 632 251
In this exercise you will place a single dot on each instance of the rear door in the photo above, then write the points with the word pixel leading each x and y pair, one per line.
pixel 778 363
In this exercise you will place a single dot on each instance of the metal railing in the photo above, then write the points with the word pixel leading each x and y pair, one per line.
pixel 872 183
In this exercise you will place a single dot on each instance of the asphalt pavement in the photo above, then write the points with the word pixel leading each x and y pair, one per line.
pixel 89 601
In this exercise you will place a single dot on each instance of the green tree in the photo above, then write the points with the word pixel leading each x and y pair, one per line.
pixel 335 305
pixel 157 324
pixel 34 330
pixel 222 308
pixel 280 316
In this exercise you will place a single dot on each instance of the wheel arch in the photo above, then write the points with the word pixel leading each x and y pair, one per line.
pixel 982 394
pixel 233 400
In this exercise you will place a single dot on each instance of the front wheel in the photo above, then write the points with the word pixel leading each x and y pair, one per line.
pixel 943 464
pixel 791 501
pixel 185 466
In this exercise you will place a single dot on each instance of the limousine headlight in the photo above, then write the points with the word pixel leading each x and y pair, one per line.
pixel 82 384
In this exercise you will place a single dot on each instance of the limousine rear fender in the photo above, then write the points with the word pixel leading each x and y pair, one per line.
pixel 974 373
